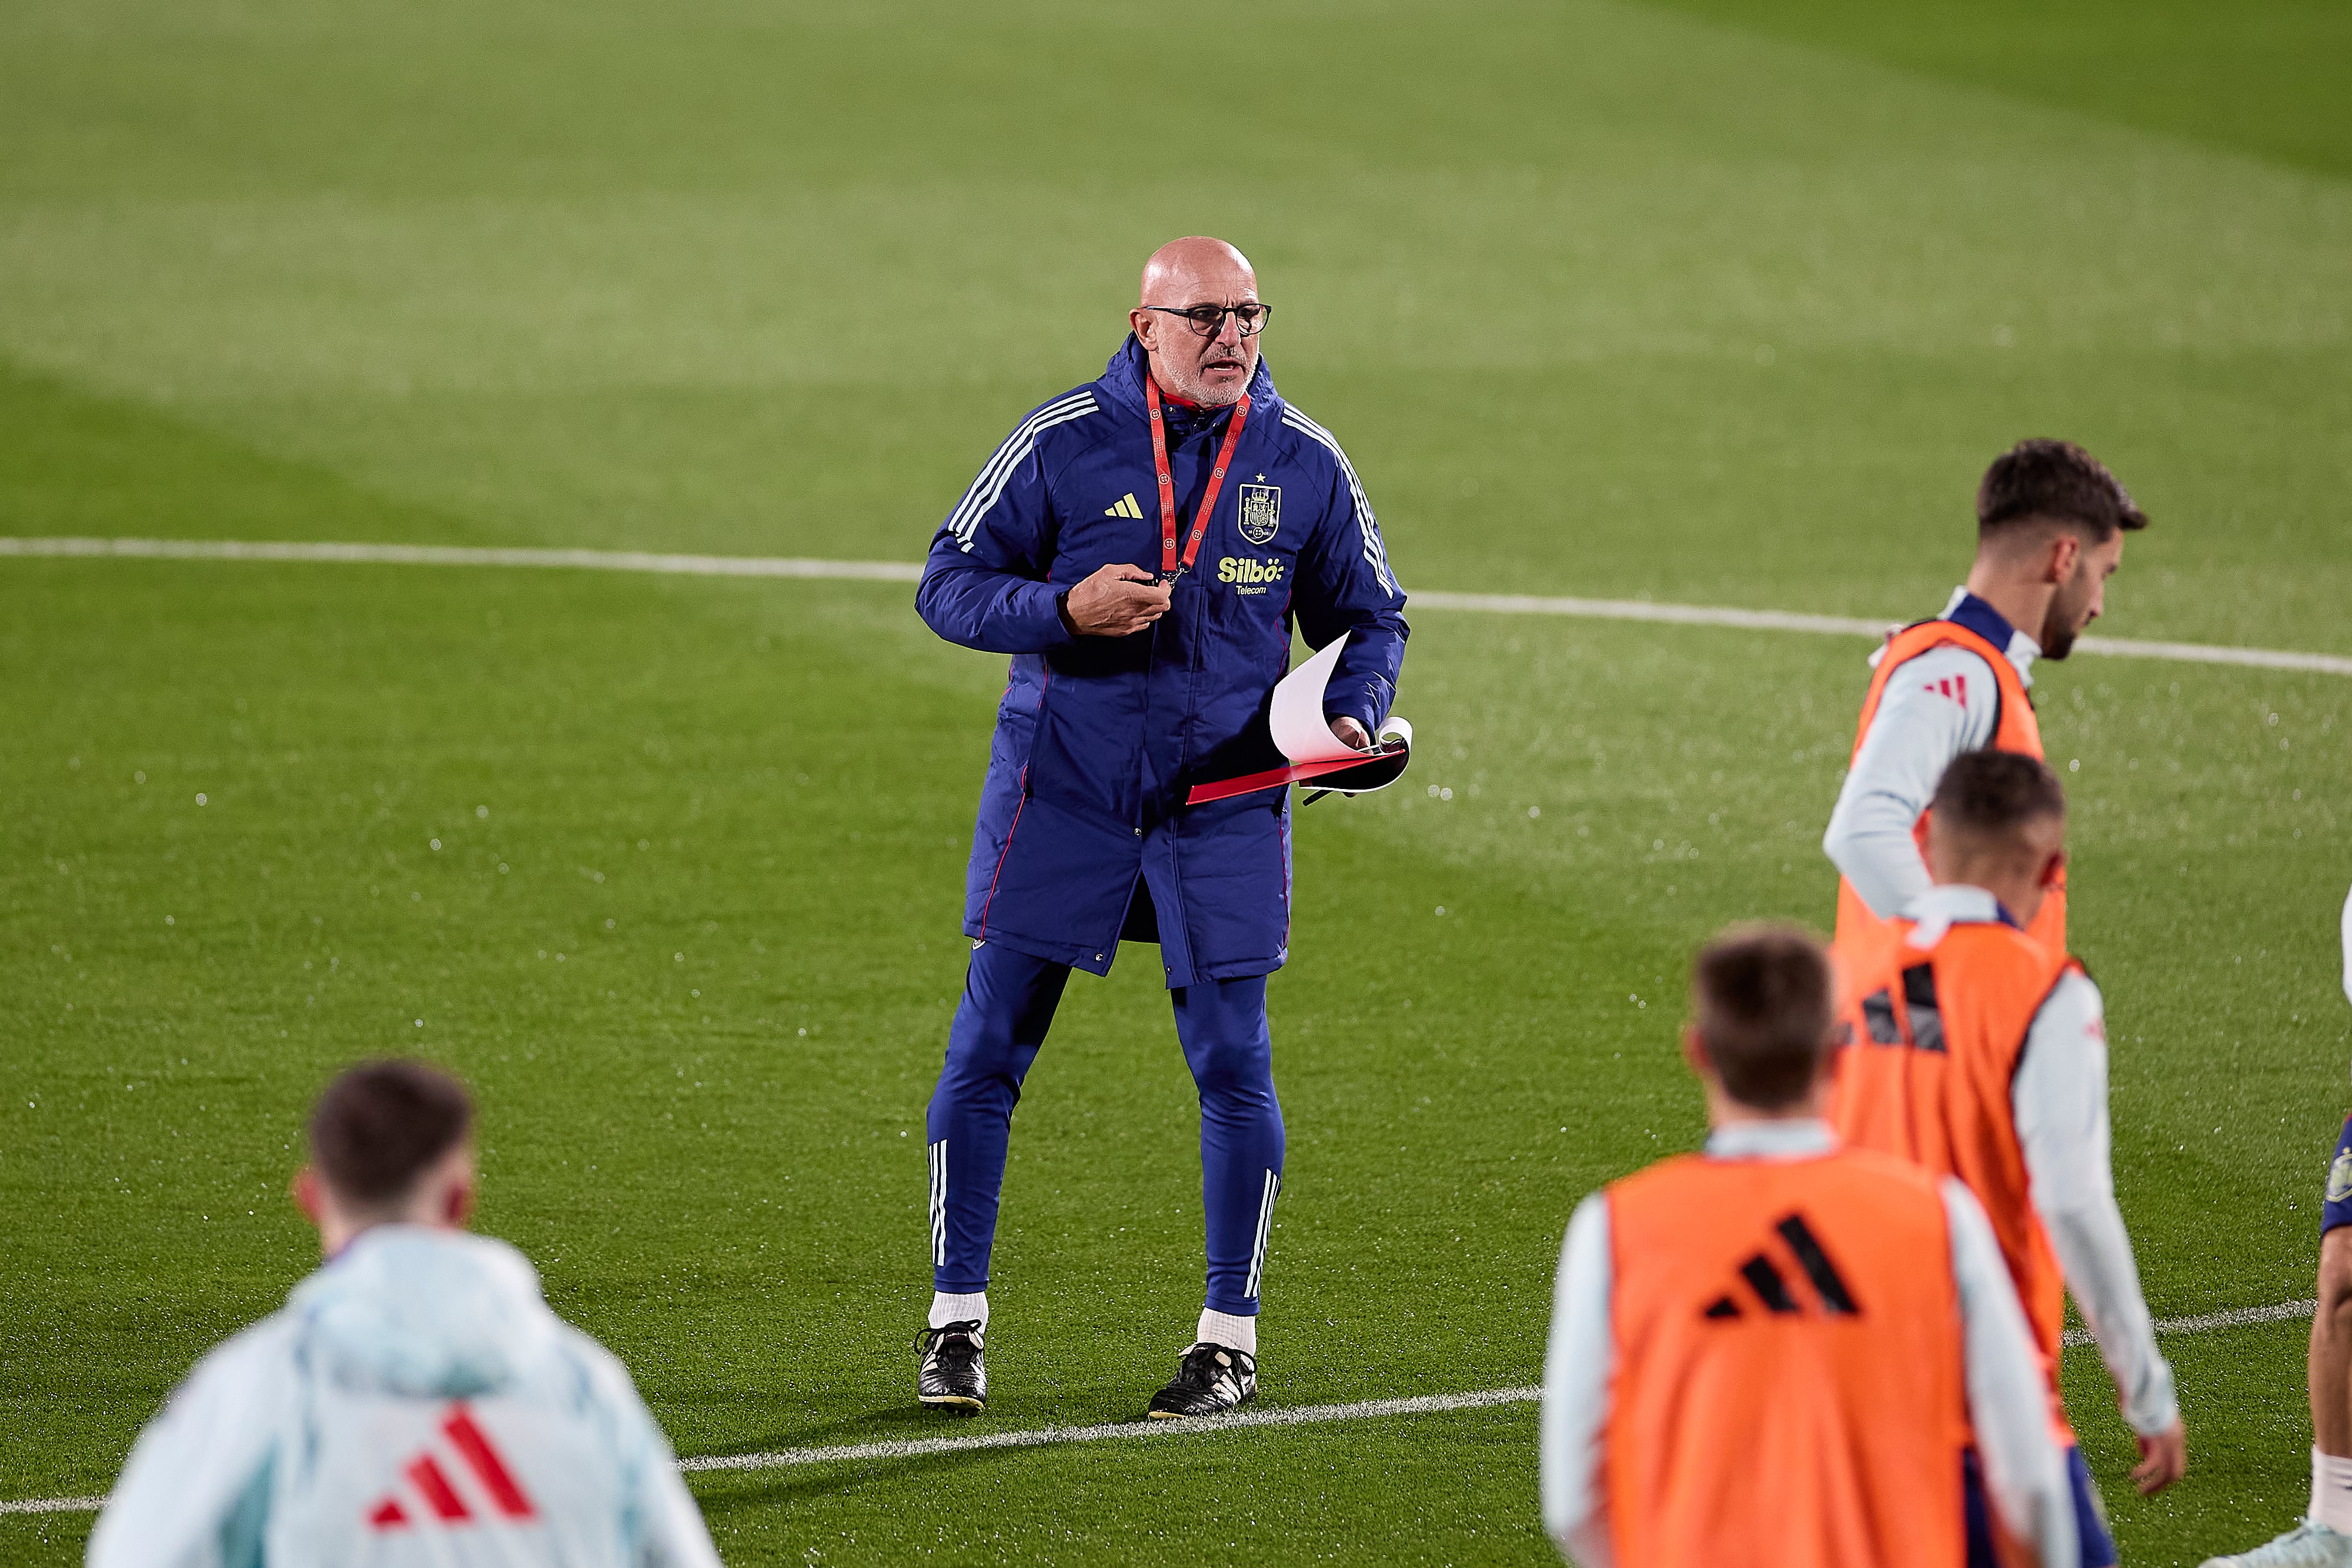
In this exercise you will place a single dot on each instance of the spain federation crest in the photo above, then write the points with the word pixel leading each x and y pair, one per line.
pixel 1261 512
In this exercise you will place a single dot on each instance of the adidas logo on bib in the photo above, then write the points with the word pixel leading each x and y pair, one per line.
pixel 1768 1288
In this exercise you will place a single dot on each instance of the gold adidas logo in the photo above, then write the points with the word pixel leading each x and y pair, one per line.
pixel 1124 506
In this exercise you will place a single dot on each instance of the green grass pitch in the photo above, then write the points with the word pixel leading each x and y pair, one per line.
pixel 1723 302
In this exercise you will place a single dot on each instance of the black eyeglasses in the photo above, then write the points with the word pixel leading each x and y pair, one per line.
pixel 1208 321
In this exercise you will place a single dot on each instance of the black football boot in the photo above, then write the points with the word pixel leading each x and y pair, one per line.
pixel 952 1373
pixel 1212 1380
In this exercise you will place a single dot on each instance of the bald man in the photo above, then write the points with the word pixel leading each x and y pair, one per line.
pixel 1141 547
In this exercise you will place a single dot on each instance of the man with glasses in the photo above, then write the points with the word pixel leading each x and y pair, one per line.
pixel 1141 547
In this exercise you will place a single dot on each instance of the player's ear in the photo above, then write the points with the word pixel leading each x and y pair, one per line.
pixel 2054 871
pixel 1937 849
pixel 458 1206
pixel 2065 554
pixel 305 1191
pixel 1695 1052
pixel 458 1198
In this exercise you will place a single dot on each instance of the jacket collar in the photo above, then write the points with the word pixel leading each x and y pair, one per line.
pixel 1965 608
pixel 1122 381
pixel 1797 1138
pixel 1940 908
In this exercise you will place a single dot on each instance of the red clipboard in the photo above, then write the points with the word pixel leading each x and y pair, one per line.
pixel 1372 770
pixel 1295 719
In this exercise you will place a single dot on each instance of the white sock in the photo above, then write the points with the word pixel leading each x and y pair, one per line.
pixel 1229 1329
pixel 2331 1492
pixel 949 1309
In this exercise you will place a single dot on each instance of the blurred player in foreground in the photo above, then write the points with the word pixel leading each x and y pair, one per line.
pixel 2050 522
pixel 415 1402
pixel 1981 1053
pixel 1774 1351
pixel 2323 1539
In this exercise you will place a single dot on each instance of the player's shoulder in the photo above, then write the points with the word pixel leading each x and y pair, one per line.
pixel 1079 411
pixel 1931 670
pixel 249 1366
pixel 1997 960
pixel 2073 999
pixel 1894 1200
pixel 1308 444
pixel 1858 958
pixel 592 1375
pixel 1671 1174
pixel 1997 942
pixel 1879 1169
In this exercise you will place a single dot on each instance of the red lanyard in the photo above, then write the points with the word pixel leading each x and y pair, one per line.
pixel 1170 566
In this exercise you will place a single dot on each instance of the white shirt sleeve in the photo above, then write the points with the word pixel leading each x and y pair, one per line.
pixel 183 1494
pixel 1578 1363
pixel 673 1534
pixel 2059 1098
pixel 663 1523
pixel 2347 948
pixel 1936 705
pixel 2025 1476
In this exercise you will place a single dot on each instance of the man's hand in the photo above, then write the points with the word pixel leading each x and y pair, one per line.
pixel 2163 1459
pixel 1116 602
pixel 1349 731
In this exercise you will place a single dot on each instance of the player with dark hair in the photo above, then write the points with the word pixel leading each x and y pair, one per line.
pixel 2324 1537
pixel 2050 522
pixel 1780 1340
pixel 1981 1053
pixel 415 1403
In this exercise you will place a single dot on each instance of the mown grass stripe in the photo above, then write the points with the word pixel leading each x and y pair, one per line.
pixel 1294 1416
pixel 908 571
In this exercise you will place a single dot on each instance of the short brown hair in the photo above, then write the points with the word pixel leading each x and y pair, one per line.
pixel 1992 793
pixel 2055 480
pixel 381 1125
pixel 1762 995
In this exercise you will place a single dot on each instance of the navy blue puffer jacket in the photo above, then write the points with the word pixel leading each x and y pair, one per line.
pixel 1083 836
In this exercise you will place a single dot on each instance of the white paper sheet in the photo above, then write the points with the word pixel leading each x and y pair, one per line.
pixel 1300 731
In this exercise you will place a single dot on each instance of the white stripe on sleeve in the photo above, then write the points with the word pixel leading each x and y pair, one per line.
pixel 989 487
pixel 1376 552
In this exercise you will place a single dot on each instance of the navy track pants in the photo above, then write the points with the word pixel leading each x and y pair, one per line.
pixel 1008 1004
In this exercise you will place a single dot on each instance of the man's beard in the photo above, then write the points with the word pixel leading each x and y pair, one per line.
pixel 2061 624
pixel 1209 396
pixel 2059 630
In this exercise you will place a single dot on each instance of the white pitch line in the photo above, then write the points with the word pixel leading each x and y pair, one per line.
pixel 908 571
pixel 464 555
pixel 54 1505
pixel 1645 609
pixel 2206 1323
pixel 1294 1416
